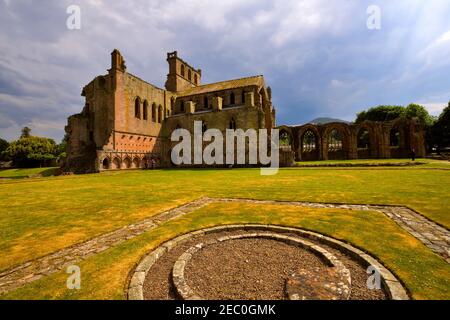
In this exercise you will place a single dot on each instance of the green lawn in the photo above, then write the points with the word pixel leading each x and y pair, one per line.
pixel 30 172
pixel 39 216
pixel 104 276
pixel 424 163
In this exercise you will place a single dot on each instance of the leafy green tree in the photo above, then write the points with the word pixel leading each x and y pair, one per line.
pixel 26 132
pixel 418 111
pixel 62 147
pixel 3 146
pixel 32 151
pixel 381 113
pixel 388 113
pixel 439 134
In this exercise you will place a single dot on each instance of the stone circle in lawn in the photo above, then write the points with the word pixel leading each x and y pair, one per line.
pixel 258 262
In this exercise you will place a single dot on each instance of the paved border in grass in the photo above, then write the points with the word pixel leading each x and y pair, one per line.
pixel 429 233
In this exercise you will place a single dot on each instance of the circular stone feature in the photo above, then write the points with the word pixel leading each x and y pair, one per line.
pixel 261 266
pixel 243 262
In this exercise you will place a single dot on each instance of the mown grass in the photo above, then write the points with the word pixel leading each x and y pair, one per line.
pixel 424 162
pixel 28 172
pixel 104 276
pixel 39 216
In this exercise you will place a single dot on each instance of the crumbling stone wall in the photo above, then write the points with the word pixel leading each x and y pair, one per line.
pixel 379 144
pixel 126 122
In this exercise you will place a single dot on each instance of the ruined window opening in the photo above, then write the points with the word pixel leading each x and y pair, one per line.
pixel 243 97
pixel 160 114
pixel 182 70
pixel 285 138
pixel 189 74
pixel 195 78
pixel 363 139
pixel 137 108
pixel 232 98
pixel 309 143
pixel 394 138
pixel 335 140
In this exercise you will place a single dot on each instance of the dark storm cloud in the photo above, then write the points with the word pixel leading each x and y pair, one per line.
pixel 318 56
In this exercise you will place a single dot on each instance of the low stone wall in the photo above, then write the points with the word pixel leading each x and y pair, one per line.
pixel 391 284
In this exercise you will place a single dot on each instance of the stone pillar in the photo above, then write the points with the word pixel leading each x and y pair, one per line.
pixel 249 99
pixel 217 103
pixel 190 107
pixel 352 146
pixel 324 148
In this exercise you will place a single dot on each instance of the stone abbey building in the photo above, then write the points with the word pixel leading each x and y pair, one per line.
pixel 127 122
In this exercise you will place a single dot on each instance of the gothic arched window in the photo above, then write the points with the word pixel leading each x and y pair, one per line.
pixel 309 143
pixel 335 140
pixel 137 108
pixel 363 139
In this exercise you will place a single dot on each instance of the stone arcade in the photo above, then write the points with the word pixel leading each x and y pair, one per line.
pixel 126 122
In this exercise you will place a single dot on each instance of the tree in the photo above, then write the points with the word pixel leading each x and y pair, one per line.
pixel 419 112
pixel 26 132
pixel 62 147
pixel 3 146
pixel 388 113
pixel 439 134
pixel 381 113
pixel 32 151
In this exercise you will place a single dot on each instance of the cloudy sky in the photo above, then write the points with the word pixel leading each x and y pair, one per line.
pixel 318 56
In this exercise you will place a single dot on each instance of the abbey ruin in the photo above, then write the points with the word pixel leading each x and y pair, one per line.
pixel 127 122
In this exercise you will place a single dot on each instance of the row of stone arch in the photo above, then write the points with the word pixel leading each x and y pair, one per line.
pixel 353 141
pixel 127 162
pixel 156 111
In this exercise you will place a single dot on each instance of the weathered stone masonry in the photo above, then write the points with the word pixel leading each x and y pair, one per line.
pixel 126 122
pixel 367 140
